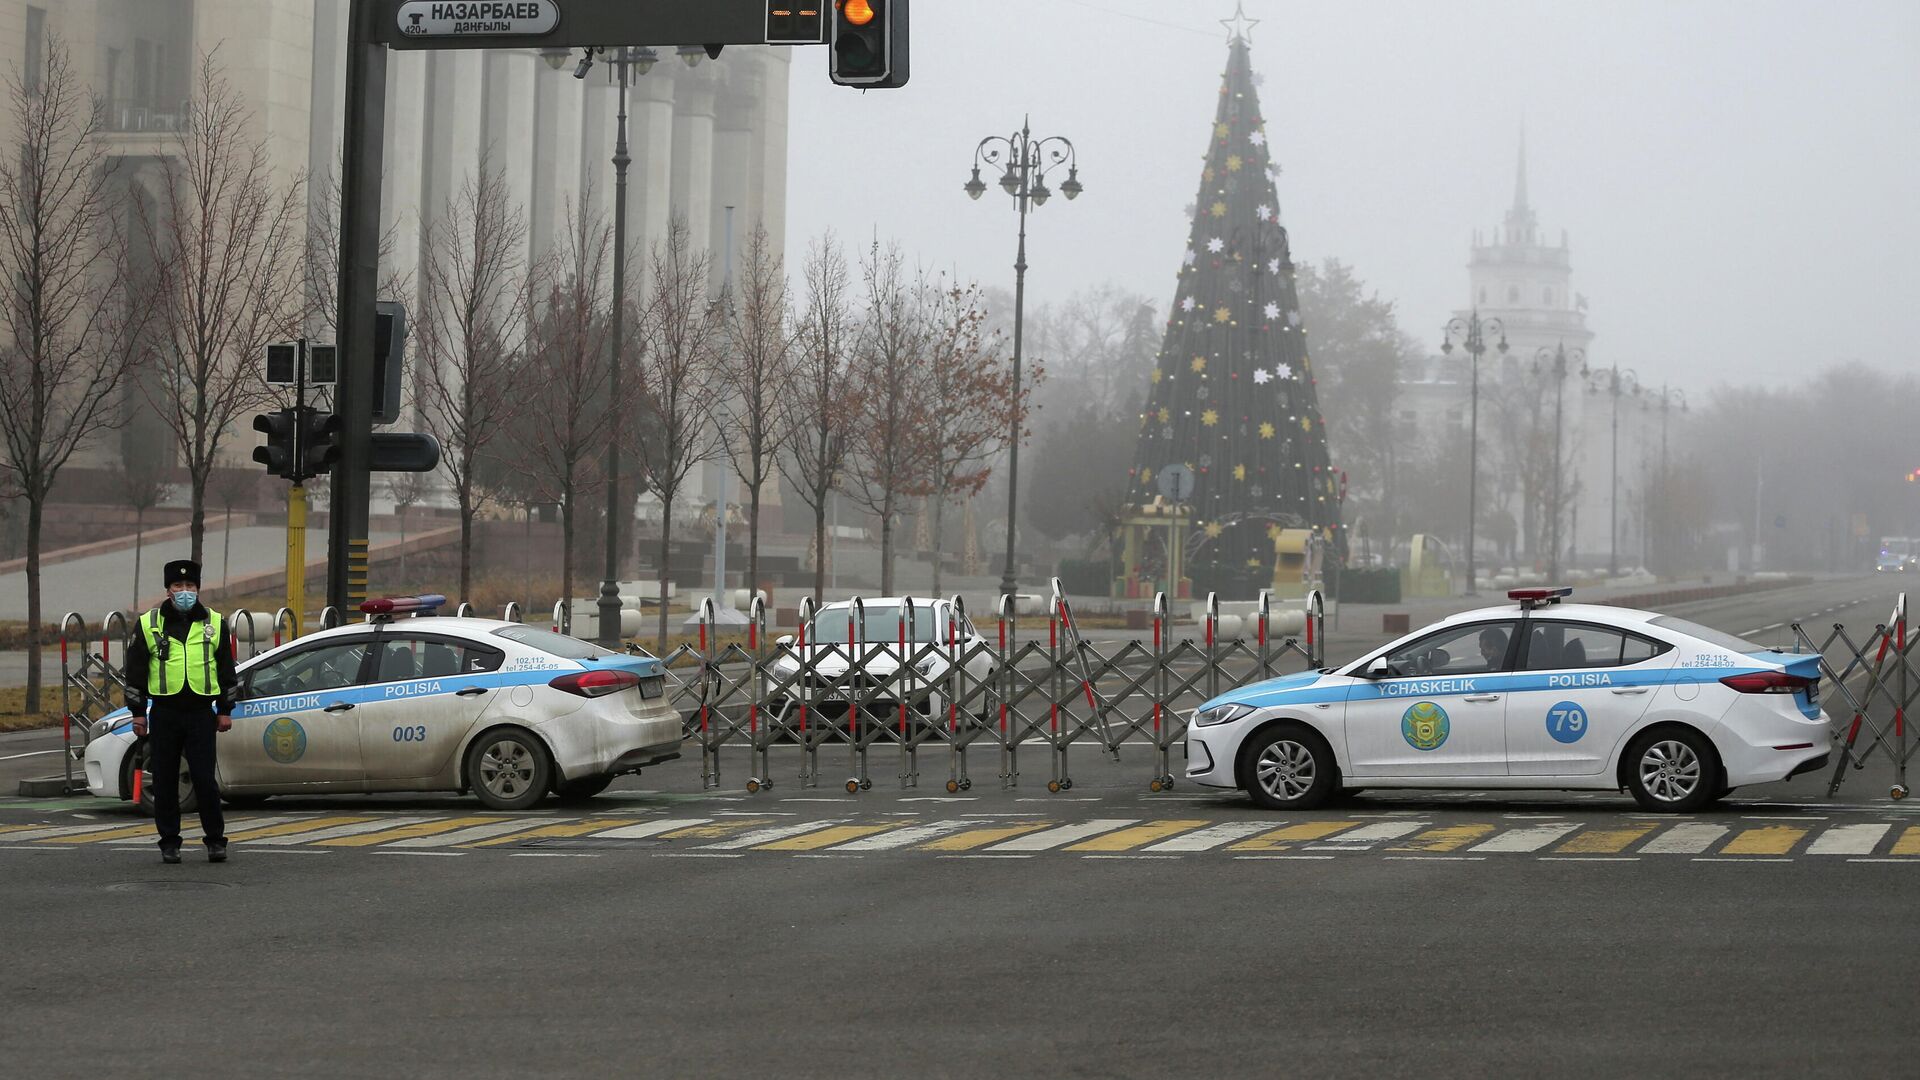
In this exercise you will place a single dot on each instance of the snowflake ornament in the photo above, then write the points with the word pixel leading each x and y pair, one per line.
pixel 1272 310
pixel 1187 304
pixel 1283 371
pixel 1260 376
pixel 1293 318
pixel 1258 138
pixel 1189 258
pixel 1263 212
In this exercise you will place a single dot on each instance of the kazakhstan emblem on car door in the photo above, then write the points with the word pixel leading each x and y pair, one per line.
pixel 1425 726
pixel 285 740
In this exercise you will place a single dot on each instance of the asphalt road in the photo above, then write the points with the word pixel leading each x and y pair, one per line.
pixel 1101 932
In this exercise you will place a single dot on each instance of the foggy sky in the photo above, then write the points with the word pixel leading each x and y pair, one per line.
pixel 1738 178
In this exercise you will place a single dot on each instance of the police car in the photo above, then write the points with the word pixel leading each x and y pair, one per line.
pixel 1541 694
pixel 507 711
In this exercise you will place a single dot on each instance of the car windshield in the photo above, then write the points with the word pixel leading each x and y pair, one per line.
pixel 883 623
pixel 547 641
pixel 1707 634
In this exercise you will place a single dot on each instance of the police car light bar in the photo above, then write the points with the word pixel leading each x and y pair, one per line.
pixel 1533 598
pixel 397 605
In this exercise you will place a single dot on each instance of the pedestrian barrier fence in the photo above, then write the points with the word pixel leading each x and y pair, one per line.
pixel 1874 683
pixel 846 688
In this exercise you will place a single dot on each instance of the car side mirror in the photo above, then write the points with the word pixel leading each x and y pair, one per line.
pixel 1378 668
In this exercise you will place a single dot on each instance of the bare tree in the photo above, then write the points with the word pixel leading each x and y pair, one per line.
pixel 756 372
pixel 969 392
pixel 227 237
pixel 890 462
pixel 140 481
pixel 568 388
pixel 228 486
pixel 821 407
pixel 321 267
pixel 68 319
pixel 678 380
pixel 476 291
pixel 407 490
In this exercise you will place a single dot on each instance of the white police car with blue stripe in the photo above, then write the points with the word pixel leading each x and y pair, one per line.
pixel 1541 694
pixel 507 711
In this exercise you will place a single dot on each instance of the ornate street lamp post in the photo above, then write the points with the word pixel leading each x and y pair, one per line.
pixel 1472 332
pixel 1614 382
pixel 1558 356
pixel 621 61
pixel 1027 161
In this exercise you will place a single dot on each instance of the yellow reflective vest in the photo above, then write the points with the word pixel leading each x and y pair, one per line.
pixel 171 667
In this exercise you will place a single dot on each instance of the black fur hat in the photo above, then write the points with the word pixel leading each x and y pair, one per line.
pixel 183 570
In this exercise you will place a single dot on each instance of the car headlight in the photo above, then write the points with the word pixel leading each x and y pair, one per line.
pixel 1222 714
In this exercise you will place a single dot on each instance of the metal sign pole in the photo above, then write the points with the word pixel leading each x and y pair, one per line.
pixel 361 166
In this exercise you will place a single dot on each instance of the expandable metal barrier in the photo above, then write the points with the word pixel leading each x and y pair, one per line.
pixel 1883 665
pixel 946 691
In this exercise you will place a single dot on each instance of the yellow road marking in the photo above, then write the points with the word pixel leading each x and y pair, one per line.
pixel 4 829
pixel 1448 838
pixel 571 828
pixel 297 827
pixel 1280 838
pixel 1126 839
pixel 110 834
pixel 1768 840
pixel 717 829
pixel 824 838
pixel 1909 842
pixel 1604 841
pixel 425 828
pixel 973 838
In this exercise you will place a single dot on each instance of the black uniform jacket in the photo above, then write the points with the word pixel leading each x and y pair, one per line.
pixel 175 624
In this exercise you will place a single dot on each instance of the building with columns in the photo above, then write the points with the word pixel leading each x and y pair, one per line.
pixel 702 138
pixel 1516 276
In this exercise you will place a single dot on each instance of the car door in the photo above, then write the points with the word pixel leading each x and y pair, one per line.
pixel 422 699
pixel 293 720
pixel 1581 688
pixel 1438 708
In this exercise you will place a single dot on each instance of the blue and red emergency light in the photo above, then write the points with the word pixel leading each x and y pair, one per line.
pixel 402 605
pixel 1533 598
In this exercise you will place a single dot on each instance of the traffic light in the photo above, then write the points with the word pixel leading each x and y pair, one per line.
pixel 869 39
pixel 319 442
pixel 280 453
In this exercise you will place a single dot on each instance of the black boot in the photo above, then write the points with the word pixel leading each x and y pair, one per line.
pixel 170 853
pixel 216 851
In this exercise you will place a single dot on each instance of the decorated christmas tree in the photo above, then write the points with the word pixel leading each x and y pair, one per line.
pixel 1232 400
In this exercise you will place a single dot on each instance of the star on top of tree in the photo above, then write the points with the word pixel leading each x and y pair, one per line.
pixel 1239 28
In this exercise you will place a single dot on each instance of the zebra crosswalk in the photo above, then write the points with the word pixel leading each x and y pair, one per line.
pixel 745 835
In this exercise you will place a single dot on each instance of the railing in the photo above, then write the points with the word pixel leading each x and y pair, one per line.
pixel 1883 665
pixel 949 692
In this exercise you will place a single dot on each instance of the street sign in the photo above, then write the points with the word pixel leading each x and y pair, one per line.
pixel 478 18
pixel 1176 483
pixel 405 451
pixel 323 365
pixel 283 364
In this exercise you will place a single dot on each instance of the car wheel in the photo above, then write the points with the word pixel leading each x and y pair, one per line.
pixel 1673 770
pixel 581 790
pixel 139 760
pixel 1290 768
pixel 508 769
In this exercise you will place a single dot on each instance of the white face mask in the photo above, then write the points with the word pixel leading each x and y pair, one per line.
pixel 185 599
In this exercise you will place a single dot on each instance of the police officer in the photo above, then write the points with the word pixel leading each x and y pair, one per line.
pixel 180 680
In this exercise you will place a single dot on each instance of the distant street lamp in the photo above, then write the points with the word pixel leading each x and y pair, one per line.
pixel 1666 400
pixel 1027 161
pixel 1614 382
pixel 1558 357
pixel 1472 332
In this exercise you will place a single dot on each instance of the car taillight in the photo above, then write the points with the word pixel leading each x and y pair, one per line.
pixel 597 683
pixel 1768 682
